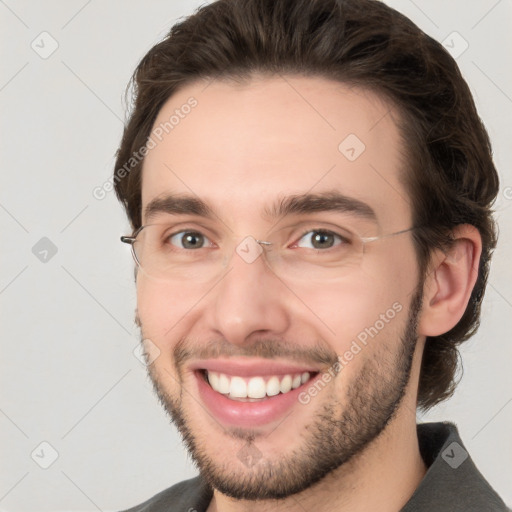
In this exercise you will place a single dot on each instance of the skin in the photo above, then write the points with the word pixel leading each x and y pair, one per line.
pixel 243 146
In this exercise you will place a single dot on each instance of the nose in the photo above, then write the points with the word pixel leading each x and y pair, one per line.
pixel 249 300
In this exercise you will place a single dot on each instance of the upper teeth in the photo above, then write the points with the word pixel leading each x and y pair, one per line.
pixel 255 387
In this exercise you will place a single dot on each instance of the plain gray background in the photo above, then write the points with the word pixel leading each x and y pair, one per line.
pixel 69 376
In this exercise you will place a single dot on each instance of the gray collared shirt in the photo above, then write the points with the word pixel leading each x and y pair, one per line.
pixel 452 482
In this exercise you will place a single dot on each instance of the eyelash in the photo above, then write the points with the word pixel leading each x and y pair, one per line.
pixel 341 238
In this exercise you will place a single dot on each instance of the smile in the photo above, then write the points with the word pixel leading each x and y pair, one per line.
pixel 249 392
pixel 254 388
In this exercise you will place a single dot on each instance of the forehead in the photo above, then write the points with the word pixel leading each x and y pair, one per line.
pixel 242 146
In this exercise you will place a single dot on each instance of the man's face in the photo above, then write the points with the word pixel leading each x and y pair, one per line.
pixel 331 344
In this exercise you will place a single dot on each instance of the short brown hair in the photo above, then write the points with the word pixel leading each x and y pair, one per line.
pixel 451 177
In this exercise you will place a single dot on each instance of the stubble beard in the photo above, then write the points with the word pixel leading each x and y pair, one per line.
pixel 333 437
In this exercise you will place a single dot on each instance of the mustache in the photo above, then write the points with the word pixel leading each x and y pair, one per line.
pixel 267 348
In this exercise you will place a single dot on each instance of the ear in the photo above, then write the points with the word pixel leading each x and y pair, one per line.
pixel 450 281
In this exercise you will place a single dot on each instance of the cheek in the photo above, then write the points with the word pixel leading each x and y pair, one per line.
pixel 363 310
pixel 161 309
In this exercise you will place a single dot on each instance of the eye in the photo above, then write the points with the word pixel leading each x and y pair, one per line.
pixel 320 239
pixel 189 240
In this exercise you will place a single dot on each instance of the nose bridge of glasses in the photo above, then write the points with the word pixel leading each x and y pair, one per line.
pixel 249 249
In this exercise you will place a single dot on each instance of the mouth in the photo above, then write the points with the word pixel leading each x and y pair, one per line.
pixel 248 393
pixel 257 388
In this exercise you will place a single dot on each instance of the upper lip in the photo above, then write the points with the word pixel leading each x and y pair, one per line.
pixel 251 367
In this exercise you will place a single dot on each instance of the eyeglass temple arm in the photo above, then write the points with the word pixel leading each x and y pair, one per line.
pixel 387 235
pixel 131 240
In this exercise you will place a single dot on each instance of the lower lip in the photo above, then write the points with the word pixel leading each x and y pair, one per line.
pixel 248 414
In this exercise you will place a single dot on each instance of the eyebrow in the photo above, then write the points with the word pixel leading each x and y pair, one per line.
pixel 332 201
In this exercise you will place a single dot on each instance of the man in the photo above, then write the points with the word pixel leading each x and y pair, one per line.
pixel 309 187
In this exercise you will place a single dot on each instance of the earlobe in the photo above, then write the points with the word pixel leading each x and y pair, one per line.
pixel 450 281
